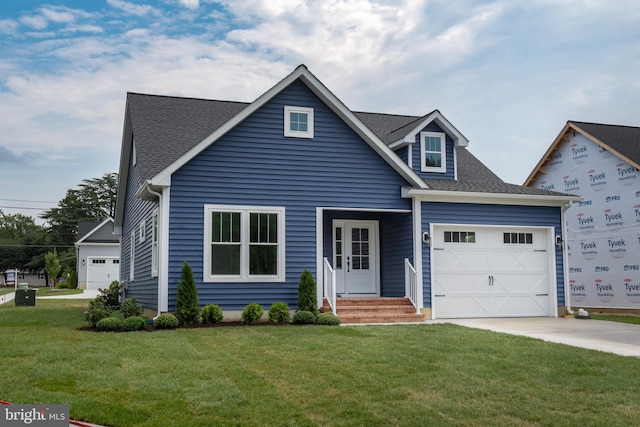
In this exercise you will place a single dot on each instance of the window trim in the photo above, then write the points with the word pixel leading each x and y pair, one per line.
pixel 244 275
pixel 155 224
pixel 287 122
pixel 132 255
pixel 443 152
pixel 142 231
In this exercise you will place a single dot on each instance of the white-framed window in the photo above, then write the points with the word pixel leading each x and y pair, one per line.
pixel 298 122
pixel 459 236
pixel 518 238
pixel 244 244
pixel 154 244
pixel 433 154
pixel 132 255
pixel 143 231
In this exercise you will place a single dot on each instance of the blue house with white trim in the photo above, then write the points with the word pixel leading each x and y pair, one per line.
pixel 382 209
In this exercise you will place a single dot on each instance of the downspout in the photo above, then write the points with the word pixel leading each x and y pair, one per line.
pixel 565 257
pixel 160 294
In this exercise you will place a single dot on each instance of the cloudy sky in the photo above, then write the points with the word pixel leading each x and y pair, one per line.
pixel 508 74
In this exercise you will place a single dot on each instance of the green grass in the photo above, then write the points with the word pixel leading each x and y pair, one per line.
pixel 617 318
pixel 52 292
pixel 403 375
pixel 4 291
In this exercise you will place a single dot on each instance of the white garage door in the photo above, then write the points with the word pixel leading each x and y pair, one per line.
pixel 492 272
pixel 101 272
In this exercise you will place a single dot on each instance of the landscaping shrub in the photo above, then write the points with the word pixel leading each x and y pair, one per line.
pixel 96 312
pixel 130 307
pixel 111 297
pixel 72 280
pixel 307 299
pixel 279 312
pixel 252 313
pixel 187 305
pixel 109 324
pixel 133 323
pixel 304 318
pixel 328 319
pixel 211 313
pixel 166 321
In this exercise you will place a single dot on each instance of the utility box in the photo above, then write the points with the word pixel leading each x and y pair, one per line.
pixel 25 297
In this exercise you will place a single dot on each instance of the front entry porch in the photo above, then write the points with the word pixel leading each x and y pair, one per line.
pixel 374 310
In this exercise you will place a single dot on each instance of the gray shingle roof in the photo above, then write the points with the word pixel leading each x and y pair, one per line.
pixel 623 139
pixel 166 127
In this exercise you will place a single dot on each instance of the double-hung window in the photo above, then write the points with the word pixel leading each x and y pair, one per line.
pixel 244 243
pixel 298 122
pixel 433 155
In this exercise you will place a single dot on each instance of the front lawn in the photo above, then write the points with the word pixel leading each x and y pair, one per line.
pixel 403 375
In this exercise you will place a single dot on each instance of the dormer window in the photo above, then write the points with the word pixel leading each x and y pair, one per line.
pixel 298 122
pixel 433 155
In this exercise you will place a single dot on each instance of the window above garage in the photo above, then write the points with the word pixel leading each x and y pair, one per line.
pixel 459 237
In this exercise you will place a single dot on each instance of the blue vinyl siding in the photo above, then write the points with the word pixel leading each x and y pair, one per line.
pixel 144 287
pixel 501 215
pixel 255 165
pixel 416 152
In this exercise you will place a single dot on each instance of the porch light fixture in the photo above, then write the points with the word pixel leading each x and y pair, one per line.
pixel 559 241
pixel 83 262
pixel 426 239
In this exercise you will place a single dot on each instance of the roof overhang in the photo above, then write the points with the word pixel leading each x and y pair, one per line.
pixel 459 140
pixel 301 73
pixel 489 198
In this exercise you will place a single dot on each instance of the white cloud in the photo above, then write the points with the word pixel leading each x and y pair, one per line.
pixel 132 8
pixel 8 26
pixel 37 22
pixel 190 4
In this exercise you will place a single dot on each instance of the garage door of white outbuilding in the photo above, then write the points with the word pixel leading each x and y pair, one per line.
pixel 101 271
pixel 488 271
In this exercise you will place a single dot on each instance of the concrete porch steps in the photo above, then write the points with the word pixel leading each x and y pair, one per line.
pixel 374 310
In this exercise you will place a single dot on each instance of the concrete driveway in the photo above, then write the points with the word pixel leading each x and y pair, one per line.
pixel 612 337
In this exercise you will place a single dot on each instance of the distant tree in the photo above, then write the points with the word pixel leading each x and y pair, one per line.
pixel 94 200
pixel 52 266
pixel 21 239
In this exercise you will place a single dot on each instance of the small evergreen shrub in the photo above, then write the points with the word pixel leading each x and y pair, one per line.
pixel 252 313
pixel 130 307
pixel 328 319
pixel 96 312
pixel 166 321
pixel 109 324
pixel 304 318
pixel 307 299
pixel 72 280
pixel 111 297
pixel 279 312
pixel 187 305
pixel 211 313
pixel 133 323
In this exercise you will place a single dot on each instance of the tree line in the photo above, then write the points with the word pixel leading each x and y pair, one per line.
pixel 25 244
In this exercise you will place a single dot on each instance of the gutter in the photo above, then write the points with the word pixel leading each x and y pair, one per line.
pixel 565 258
pixel 147 187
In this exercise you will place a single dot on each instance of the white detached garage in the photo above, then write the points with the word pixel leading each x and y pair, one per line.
pixel 98 254
pixel 493 271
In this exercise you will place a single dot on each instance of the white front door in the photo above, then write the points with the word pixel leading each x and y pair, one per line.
pixel 355 257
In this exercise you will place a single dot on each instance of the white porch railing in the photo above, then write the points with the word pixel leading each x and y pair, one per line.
pixel 411 284
pixel 329 285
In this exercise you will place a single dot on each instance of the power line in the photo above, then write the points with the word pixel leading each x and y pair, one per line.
pixel 23 207
pixel 34 246
pixel 28 201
